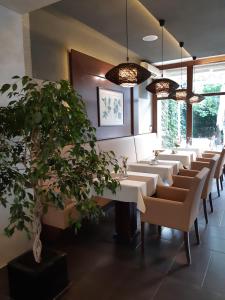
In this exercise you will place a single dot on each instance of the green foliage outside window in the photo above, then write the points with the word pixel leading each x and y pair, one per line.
pixel 205 113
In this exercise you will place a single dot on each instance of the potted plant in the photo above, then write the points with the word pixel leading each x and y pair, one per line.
pixel 40 122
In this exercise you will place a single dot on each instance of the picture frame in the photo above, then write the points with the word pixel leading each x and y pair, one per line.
pixel 110 107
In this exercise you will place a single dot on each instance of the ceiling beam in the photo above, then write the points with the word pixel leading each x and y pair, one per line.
pixel 200 61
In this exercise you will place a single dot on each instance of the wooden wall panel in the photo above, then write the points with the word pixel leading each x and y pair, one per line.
pixel 83 71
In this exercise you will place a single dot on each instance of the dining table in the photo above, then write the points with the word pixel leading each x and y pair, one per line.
pixel 128 199
pixel 185 157
pixel 165 171
pixel 176 164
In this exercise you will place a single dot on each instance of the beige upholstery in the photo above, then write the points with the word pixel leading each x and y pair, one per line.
pixel 145 144
pixel 121 147
pixel 60 218
pixel 219 168
pixel 176 208
pixel 179 213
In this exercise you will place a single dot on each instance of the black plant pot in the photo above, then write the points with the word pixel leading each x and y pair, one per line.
pixel 31 281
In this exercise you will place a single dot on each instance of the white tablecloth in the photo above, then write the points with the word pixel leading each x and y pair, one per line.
pixel 133 190
pixel 185 157
pixel 197 151
pixel 174 163
pixel 165 171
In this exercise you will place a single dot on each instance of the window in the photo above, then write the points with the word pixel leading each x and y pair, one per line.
pixel 172 114
pixel 208 116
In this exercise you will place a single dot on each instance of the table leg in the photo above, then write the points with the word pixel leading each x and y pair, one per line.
pixel 125 221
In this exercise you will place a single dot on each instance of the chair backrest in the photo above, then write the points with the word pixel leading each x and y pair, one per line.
pixel 193 199
pixel 211 164
pixel 219 168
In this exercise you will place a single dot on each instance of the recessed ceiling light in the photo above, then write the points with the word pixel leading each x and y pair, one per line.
pixel 150 38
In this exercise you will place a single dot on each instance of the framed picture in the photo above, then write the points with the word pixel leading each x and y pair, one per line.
pixel 110 107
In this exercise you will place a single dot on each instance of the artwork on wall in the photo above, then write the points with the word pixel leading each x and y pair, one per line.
pixel 110 107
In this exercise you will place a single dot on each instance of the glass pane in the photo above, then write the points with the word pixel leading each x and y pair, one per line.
pixel 208 122
pixel 209 78
pixel 178 75
pixel 171 122
pixel 172 114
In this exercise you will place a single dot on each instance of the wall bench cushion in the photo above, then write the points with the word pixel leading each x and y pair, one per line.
pixel 121 147
pixel 145 144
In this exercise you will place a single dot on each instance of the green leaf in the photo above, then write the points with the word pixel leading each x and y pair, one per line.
pixel 37 117
pixel 14 86
pixel 5 88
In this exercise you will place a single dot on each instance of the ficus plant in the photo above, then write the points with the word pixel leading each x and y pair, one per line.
pixel 48 155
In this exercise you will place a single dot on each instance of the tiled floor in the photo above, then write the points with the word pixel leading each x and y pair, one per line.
pixel 102 270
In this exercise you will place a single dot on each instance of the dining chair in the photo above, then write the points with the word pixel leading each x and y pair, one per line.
pixel 195 167
pixel 176 208
pixel 219 169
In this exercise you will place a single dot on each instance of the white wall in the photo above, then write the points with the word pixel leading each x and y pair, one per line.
pixel 11 63
pixel 54 34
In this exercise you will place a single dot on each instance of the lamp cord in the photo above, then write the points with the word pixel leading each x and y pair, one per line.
pixel 127 31
pixel 181 65
pixel 162 50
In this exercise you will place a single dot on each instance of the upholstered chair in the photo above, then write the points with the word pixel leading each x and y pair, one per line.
pixel 176 208
pixel 219 169
pixel 197 166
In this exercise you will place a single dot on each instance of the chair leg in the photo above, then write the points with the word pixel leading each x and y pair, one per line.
pixel 142 236
pixel 221 182
pixel 218 187
pixel 205 211
pixel 210 201
pixel 187 247
pixel 159 230
pixel 197 232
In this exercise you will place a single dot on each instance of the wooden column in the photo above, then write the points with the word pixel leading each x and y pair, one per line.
pixel 189 106
pixel 154 113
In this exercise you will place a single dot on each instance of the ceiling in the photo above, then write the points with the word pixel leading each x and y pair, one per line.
pixel 25 6
pixel 110 20
pixel 199 23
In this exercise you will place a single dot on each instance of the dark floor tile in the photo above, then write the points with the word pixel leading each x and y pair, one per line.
pixel 213 243
pixel 214 219
pixel 215 277
pixel 195 273
pixel 174 289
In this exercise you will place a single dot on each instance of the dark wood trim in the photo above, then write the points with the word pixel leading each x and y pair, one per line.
pixel 189 106
pixel 205 211
pixel 154 113
pixel 187 247
pixel 197 231
pixel 210 201
pixel 201 61
pixel 213 94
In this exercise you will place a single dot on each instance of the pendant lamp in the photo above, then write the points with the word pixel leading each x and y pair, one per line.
pixel 181 94
pixel 196 98
pixel 127 74
pixel 162 87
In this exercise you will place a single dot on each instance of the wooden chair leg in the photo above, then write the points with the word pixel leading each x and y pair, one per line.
pixel 197 232
pixel 142 236
pixel 221 182
pixel 205 211
pixel 187 247
pixel 210 201
pixel 218 187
